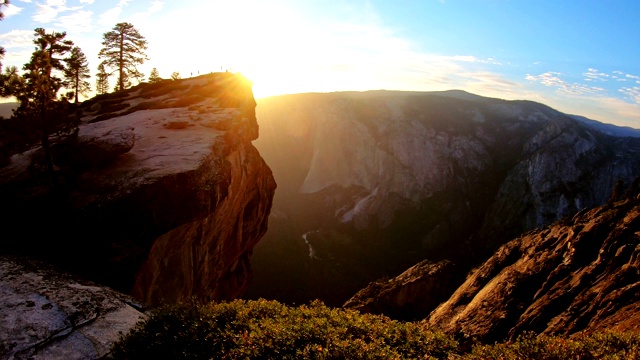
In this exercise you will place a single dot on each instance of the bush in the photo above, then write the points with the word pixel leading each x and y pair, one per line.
pixel 269 330
pixel 606 345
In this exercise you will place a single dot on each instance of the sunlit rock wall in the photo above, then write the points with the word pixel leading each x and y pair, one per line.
pixel 172 206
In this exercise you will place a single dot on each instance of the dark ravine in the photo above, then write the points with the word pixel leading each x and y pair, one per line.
pixel 162 194
pixel 372 183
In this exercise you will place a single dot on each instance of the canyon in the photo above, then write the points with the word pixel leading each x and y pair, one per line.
pixel 372 183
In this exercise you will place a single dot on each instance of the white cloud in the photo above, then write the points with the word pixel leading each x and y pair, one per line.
pixel 11 10
pixel 45 13
pixel 552 79
pixel 77 22
pixel 17 39
pixel 140 17
pixel 156 6
pixel 547 79
pixel 632 92
pixel 595 75
pixel 25 1
pixel 474 59
pixel 16 58
pixel 110 17
pixel 633 77
pixel 86 2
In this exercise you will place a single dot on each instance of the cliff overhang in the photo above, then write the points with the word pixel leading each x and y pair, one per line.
pixel 161 193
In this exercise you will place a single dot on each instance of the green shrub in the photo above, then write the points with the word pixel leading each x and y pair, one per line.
pixel 607 345
pixel 269 330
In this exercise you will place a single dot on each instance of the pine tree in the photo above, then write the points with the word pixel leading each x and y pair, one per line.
pixel 11 83
pixel 123 49
pixel 154 76
pixel 102 80
pixel 76 73
pixel 37 98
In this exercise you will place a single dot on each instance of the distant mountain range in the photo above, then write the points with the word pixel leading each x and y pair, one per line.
pixel 371 183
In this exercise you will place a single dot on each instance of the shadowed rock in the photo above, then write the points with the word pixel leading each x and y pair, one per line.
pixel 411 295
pixel 48 314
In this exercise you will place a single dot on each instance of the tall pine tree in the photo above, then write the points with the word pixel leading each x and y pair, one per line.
pixel 123 49
pixel 76 73
pixel 37 97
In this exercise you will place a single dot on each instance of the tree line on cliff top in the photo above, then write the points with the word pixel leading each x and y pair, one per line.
pixel 56 64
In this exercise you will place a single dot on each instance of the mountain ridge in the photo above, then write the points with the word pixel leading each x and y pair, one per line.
pixel 376 182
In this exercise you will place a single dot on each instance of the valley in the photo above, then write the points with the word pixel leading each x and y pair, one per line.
pixel 371 183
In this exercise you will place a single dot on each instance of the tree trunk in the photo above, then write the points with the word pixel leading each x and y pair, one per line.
pixel 53 184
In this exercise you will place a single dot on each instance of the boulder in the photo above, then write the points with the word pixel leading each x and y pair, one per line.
pixel 46 313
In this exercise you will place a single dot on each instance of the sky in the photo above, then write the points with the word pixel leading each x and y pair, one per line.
pixel 580 57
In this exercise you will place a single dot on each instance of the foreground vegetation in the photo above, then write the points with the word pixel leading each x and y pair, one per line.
pixel 269 330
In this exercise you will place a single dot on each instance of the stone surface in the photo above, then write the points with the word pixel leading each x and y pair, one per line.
pixel 175 216
pixel 100 144
pixel 410 296
pixel 49 314
pixel 580 274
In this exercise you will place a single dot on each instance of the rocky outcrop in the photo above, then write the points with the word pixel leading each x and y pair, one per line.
pixel 48 314
pixel 161 193
pixel 372 183
pixel 580 274
pixel 410 296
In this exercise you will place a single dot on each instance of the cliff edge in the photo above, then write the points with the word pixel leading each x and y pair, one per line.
pixel 161 193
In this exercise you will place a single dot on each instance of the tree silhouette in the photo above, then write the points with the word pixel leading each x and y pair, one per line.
pixel 11 83
pixel 2 52
pixel 175 75
pixel 123 49
pixel 102 80
pixel 76 73
pixel 41 86
pixel 3 3
pixel 154 76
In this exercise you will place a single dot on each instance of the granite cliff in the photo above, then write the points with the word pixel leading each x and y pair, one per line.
pixel 372 183
pixel 580 274
pixel 161 193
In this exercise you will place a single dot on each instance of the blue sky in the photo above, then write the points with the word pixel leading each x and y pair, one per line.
pixel 580 57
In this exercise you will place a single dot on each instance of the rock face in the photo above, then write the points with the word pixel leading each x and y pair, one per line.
pixel 410 296
pixel 47 314
pixel 580 274
pixel 146 206
pixel 372 183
